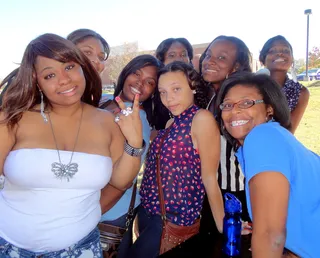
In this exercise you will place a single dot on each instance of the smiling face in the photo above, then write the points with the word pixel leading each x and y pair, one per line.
pixel 142 82
pixel 175 92
pixel 239 122
pixel 94 50
pixel 62 83
pixel 176 52
pixel 279 57
pixel 219 61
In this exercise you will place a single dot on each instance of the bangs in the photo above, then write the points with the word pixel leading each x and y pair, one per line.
pixel 54 47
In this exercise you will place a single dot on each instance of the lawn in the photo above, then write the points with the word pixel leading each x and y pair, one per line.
pixel 309 128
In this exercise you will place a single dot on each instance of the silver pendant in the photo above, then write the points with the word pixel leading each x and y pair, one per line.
pixel 63 171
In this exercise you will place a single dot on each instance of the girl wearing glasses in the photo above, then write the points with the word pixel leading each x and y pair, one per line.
pixel 281 174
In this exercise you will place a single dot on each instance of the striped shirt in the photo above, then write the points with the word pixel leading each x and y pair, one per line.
pixel 230 176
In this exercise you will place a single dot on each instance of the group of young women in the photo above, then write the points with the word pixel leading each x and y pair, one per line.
pixel 70 158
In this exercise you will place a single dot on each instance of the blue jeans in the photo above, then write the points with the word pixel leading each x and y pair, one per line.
pixel 147 244
pixel 89 247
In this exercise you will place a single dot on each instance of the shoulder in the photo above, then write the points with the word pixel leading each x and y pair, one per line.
pixel 264 130
pixel 204 120
pixel 203 116
pixel 265 137
pixel 304 94
pixel 98 114
pixel 268 147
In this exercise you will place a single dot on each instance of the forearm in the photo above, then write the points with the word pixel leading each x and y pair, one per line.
pixel 215 200
pixel 109 197
pixel 124 171
pixel 267 244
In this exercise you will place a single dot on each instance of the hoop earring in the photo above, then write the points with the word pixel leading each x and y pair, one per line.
pixel 45 119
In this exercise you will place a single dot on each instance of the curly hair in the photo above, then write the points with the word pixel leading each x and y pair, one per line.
pixel 195 81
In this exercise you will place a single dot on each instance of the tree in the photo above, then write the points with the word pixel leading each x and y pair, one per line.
pixel 300 65
pixel 120 56
pixel 314 58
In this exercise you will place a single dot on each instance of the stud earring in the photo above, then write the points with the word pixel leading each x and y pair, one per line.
pixel 194 91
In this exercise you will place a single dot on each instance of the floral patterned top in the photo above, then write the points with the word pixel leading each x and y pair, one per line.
pixel 180 172
pixel 292 91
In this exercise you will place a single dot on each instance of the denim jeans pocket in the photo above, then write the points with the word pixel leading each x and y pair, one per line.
pixel 88 240
pixel 3 247
pixel 89 246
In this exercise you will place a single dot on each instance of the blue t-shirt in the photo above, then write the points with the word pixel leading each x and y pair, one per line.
pixel 122 206
pixel 270 147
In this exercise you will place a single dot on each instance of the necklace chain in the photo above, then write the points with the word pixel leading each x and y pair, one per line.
pixel 214 94
pixel 59 169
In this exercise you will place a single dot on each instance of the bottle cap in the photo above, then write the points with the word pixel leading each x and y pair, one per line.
pixel 232 204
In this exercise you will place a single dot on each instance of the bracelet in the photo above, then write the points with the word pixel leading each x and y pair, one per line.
pixel 134 152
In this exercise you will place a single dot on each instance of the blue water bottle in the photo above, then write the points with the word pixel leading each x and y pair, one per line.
pixel 232 226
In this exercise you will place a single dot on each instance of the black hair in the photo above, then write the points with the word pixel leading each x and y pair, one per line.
pixel 164 46
pixel 243 57
pixel 194 80
pixel 266 47
pixel 134 65
pixel 271 94
pixel 80 35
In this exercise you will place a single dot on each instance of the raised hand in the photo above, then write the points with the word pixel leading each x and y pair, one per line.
pixel 129 122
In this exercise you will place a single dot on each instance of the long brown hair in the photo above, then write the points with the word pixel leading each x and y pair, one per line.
pixel 23 93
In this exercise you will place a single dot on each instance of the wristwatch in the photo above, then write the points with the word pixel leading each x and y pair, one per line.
pixel 134 152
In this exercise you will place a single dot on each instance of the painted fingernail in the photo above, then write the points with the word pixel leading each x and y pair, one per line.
pixel 117 98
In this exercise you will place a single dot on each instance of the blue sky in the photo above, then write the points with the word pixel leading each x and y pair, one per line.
pixel 150 21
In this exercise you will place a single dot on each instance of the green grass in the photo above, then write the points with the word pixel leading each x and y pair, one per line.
pixel 307 83
pixel 309 127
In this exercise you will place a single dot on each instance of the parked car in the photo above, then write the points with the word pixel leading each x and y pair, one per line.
pixel 314 74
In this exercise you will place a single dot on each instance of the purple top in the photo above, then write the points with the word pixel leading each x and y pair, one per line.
pixel 292 91
pixel 180 171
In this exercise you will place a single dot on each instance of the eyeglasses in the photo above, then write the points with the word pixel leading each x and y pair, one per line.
pixel 285 51
pixel 243 104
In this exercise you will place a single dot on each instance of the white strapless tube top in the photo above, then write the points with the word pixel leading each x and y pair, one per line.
pixel 40 212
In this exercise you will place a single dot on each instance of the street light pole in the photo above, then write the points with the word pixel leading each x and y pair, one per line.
pixel 307 12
